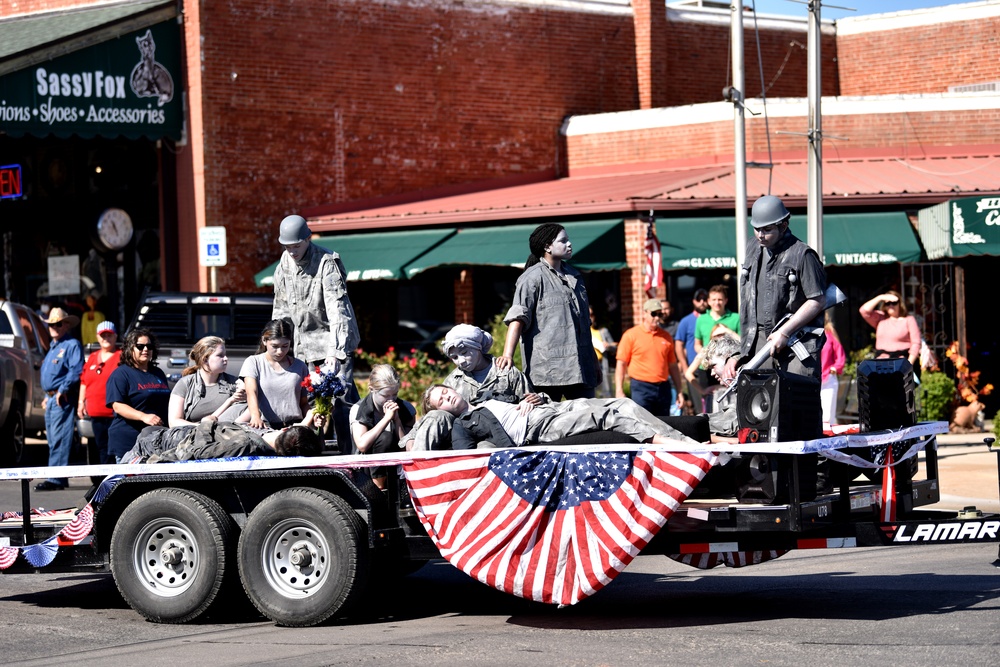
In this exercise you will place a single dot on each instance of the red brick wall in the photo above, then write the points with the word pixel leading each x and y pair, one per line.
pixel 698 63
pixel 351 100
pixel 921 59
pixel 873 131
pixel 651 36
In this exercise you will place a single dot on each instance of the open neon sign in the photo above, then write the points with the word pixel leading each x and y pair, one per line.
pixel 10 181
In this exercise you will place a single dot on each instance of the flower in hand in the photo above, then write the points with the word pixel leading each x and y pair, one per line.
pixel 324 385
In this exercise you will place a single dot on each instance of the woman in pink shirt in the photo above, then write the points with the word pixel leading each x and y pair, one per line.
pixel 832 360
pixel 896 333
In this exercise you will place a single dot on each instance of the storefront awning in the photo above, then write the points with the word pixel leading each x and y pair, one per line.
pixel 598 245
pixel 100 71
pixel 848 239
pixel 961 227
pixel 382 256
pixel 31 39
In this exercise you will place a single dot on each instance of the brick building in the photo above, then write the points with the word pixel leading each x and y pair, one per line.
pixel 384 117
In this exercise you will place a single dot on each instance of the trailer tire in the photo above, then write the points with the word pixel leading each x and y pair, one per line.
pixel 12 435
pixel 170 554
pixel 303 556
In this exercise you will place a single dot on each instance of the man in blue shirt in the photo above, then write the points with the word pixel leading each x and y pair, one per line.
pixel 684 340
pixel 61 382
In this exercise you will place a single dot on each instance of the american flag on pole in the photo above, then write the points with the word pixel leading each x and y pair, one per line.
pixel 549 526
pixel 887 504
pixel 654 261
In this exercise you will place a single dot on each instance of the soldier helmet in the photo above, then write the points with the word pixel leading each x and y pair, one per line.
pixel 768 210
pixel 293 229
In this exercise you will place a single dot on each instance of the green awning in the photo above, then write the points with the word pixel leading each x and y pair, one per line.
pixel 103 73
pixel 848 239
pixel 961 227
pixel 380 256
pixel 598 245
pixel 30 39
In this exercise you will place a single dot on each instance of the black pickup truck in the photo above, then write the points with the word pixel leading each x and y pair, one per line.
pixel 180 319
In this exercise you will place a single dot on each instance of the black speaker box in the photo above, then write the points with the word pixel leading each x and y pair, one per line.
pixel 886 400
pixel 774 406
pixel 767 479
pixel 886 394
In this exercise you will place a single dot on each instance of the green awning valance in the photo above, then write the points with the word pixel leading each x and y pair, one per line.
pixel 598 245
pixel 961 227
pixel 848 239
pixel 125 83
pixel 380 256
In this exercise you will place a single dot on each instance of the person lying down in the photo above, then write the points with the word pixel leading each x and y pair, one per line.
pixel 502 424
pixel 213 439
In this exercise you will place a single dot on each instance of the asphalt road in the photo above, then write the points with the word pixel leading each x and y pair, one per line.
pixel 916 606
pixel 922 605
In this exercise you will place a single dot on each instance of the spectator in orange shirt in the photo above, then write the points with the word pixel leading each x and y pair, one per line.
pixel 646 352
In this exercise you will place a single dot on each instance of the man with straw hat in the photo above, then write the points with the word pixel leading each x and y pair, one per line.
pixel 61 382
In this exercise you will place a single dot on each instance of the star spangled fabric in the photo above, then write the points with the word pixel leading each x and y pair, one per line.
pixel 727 558
pixel 653 274
pixel 549 526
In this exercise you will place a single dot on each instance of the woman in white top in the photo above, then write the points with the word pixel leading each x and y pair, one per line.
pixel 273 378
pixel 205 388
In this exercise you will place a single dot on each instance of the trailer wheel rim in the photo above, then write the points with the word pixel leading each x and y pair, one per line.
pixel 295 557
pixel 166 557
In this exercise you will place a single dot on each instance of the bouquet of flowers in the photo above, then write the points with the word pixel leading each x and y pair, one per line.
pixel 323 385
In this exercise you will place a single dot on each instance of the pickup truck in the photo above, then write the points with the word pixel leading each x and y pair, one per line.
pixel 24 341
pixel 180 319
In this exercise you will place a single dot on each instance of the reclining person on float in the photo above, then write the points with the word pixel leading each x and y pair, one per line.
pixel 476 377
pixel 498 423
pixel 214 439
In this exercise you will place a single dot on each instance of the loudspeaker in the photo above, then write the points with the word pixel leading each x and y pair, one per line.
pixel 775 406
pixel 886 400
pixel 769 478
pixel 886 394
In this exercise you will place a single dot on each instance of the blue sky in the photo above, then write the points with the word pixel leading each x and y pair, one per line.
pixel 863 7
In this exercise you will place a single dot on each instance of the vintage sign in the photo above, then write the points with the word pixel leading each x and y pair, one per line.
pixel 127 86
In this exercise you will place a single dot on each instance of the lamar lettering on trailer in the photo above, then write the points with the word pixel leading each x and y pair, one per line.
pixel 949 531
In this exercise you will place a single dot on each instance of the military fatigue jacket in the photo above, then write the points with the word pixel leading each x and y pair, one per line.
pixel 314 297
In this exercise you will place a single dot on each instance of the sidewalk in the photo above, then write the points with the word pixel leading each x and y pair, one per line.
pixel 967 471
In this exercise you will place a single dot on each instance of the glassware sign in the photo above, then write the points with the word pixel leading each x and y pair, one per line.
pixel 127 86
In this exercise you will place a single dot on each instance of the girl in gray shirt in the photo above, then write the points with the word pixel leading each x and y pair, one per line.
pixel 273 378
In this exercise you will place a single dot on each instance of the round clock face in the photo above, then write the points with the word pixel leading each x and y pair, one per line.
pixel 114 228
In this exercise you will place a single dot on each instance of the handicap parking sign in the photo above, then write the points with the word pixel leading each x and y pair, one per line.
pixel 212 246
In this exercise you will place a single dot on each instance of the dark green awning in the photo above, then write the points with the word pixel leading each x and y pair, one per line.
pixel 36 38
pixel 961 227
pixel 108 73
pixel 380 256
pixel 848 239
pixel 598 245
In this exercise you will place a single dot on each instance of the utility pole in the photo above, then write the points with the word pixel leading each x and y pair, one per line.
pixel 814 210
pixel 735 95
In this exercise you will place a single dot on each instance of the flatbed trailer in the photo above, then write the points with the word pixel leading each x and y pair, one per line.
pixel 300 536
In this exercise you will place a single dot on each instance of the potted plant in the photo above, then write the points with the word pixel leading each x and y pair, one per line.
pixel 966 417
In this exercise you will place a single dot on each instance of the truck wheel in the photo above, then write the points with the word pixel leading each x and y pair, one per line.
pixel 303 556
pixel 170 554
pixel 12 436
